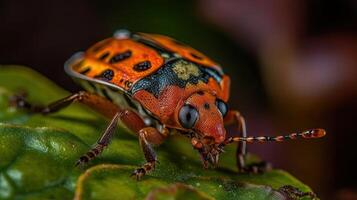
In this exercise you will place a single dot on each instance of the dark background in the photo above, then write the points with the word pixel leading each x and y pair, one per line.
pixel 293 65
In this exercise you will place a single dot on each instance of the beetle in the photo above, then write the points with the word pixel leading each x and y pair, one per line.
pixel 157 86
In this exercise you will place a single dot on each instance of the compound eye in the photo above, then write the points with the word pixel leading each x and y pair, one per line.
pixel 188 116
pixel 222 107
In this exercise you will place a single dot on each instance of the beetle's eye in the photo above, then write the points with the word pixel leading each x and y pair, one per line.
pixel 222 107
pixel 188 115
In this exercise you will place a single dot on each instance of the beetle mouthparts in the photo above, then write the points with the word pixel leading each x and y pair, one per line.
pixel 210 155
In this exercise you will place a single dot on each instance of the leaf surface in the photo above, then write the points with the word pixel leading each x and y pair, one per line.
pixel 38 155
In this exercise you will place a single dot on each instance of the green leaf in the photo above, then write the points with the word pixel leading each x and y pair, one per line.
pixel 37 156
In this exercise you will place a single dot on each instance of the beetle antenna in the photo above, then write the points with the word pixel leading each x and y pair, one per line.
pixel 309 134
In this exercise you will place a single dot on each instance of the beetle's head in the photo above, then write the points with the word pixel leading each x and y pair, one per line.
pixel 201 115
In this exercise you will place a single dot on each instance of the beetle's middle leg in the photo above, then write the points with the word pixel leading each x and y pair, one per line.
pixel 235 117
pixel 103 141
pixel 128 117
pixel 149 136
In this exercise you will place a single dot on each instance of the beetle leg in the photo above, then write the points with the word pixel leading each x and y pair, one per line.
pixel 147 137
pixel 235 117
pixel 94 101
pixel 101 143
pixel 128 117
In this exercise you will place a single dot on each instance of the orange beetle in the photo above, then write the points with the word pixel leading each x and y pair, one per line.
pixel 157 86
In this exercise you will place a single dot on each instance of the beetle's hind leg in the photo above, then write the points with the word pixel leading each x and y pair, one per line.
pixel 235 117
pixel 20 101
pixel 99 103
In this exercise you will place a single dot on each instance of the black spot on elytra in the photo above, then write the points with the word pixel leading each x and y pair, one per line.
pixel 200 93
pixel 206 106
pixel 106 75
pixel 85 71
pixel 142 66
pixel 104 56
pixel 120 57
pixel 153 45
pixel 196 56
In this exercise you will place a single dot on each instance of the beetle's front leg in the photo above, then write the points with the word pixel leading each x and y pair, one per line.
pixel 149 136
pixel 235 117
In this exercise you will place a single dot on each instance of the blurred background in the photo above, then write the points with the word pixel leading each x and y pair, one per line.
pixel 293 65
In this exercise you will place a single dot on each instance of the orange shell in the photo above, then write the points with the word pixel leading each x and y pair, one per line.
pixel 183 50
pixel 124 75
pixel 98 63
